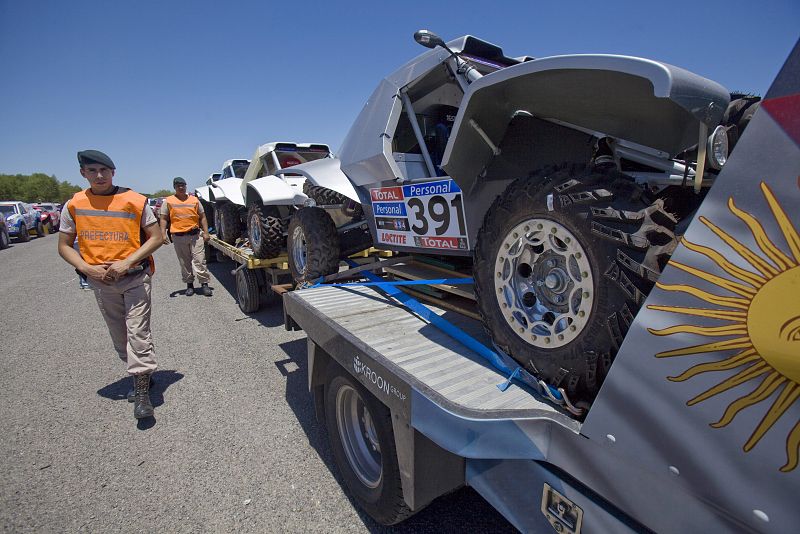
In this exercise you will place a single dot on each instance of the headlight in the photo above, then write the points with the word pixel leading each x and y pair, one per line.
pixel 717 149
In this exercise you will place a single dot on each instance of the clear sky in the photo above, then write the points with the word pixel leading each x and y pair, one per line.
pixel 175 87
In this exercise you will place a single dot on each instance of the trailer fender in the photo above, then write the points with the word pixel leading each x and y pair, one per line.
pixel 271 190
pixel 229 190
pixel 639 100
pixel 325 173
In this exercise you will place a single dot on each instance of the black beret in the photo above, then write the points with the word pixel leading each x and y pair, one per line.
pixel 178 180
pixel 87 157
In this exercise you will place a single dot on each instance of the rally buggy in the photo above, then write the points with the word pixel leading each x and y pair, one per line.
pixel 561 182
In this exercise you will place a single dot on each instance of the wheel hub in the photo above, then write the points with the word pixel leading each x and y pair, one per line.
pixel 543 283
pixel 298 247
pixel 359 437
pixel 255 228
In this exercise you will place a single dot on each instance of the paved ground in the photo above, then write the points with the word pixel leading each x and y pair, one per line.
pixel 235 445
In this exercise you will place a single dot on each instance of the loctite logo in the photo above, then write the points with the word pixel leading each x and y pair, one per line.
pixel 392 238
pixel 450 243
pixel 386 194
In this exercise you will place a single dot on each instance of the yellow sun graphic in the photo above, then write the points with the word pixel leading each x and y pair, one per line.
pixel 763 323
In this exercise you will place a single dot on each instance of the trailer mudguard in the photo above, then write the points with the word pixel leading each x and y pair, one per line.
pixel 203 193
pixel 325 173
pixel 271 190
pixel 229 190
pixel 650 103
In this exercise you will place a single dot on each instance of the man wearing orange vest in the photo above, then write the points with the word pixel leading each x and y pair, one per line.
pixel 186 216
pixel 117 235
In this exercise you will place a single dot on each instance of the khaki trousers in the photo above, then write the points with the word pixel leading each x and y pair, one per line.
pixel 191 254
pixel 125 306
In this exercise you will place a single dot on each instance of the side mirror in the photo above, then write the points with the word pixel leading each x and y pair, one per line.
pixel 428 39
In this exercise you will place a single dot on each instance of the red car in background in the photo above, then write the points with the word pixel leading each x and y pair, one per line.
pixel 50 216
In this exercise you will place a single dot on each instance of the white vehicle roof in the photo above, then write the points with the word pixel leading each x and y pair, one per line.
pixel 288 146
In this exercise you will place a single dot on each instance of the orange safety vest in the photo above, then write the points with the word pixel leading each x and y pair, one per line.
pixel 108 226
pixel 184 215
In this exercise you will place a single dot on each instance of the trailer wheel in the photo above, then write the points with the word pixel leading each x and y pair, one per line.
pixel 313 245
pixel 221 258
pixel 229 227
pixel 247 291
pixel 361 436
pixel 562 264
pixel 265 229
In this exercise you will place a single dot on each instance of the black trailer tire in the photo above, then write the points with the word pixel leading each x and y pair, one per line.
pixel 265 230
pixel 23 235
pixel 5 239
pixel 221 258
pixel 362 440
pixel 230 227
pixel 312 245
pixel 562 264
pixel 247 291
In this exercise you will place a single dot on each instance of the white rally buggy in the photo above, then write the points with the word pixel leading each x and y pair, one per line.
pixel 561 182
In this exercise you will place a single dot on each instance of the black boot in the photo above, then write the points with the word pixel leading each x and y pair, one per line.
pixel 189 290
pixel 141 397
pixel 205 290
pixel 132 393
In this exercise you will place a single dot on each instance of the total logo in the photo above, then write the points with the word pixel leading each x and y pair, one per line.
pixel 449 243
pixel 386 194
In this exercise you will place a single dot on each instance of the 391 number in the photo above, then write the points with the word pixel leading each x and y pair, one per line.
pixel 438 211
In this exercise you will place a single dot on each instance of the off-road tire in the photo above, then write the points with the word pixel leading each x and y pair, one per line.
pixel 312 245
pixel 322 195
pixel 247 291
pixel 5 239
pixel 627 239
pixel 265 230
pixel 23 235
pixel 383 502
pixel 230 228
pixel 40 230
pixel 738 114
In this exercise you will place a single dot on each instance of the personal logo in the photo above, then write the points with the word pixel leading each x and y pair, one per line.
pixel 763 323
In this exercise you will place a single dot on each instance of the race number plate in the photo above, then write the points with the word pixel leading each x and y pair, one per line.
pixel 424 215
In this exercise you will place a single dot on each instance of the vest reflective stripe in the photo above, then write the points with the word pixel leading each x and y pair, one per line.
pixel 93 213
pixel 184 215
pixel 108 226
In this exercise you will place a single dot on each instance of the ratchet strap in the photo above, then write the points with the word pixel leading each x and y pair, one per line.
pixel 497 359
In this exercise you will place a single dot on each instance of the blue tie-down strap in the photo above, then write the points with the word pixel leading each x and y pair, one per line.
pixel 496 360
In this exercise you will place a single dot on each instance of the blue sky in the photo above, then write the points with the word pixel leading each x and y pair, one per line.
pixel 170 88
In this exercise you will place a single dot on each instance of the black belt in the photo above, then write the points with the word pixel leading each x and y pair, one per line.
pixel 193 231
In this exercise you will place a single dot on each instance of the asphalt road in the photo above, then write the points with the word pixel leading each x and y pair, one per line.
pixel 235 445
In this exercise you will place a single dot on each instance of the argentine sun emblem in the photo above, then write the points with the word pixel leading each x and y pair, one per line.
pixel 759 315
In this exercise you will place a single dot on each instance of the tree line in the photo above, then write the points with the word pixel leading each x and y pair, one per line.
pixel 36 187
pixel 39 187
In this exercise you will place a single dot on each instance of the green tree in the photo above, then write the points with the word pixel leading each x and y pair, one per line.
pixel 37 187
pixel 162 193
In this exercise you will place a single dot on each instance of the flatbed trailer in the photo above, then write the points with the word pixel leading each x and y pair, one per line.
pixel 687 433
pixel 258 281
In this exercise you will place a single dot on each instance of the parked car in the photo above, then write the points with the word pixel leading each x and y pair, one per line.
pixel 5 239
pixel 21 218
pixel 50 215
